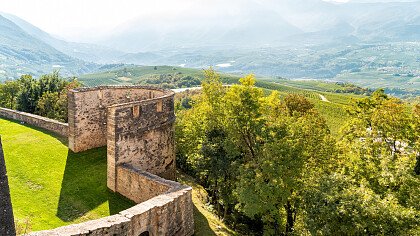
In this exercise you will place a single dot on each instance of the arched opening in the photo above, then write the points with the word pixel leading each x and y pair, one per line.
pixel 145 233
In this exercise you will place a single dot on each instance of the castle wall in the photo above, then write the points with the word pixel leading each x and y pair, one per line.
pixel 35 120
pixel 87 111
pixel 170 213
pixel 137 125
pixel 142 134
pixel 139 185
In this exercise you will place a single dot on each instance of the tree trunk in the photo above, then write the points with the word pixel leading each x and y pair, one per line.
pixel 290 219
pixel 417 167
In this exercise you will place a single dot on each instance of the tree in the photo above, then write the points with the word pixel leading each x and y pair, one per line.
pixel 374 190
pixel 46 96
pixel 51 83
pixel 296 152
pixel 276 162
pixel 48 105
pixel 246 123
pixel 203 143
pixel 297 103
pixel 29 94
pixel 8 94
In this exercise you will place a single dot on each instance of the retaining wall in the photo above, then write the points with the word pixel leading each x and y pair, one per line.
pixel 35 120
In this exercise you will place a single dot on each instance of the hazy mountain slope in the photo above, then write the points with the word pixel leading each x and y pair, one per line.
pixel 21 53
pixel 241 25
pixel 384 22
pixel 83 51
pixel 271 22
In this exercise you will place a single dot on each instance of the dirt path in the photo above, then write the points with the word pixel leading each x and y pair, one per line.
pixel 323 98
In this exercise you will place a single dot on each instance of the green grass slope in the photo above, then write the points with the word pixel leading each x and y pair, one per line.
pixel 141 75
pixel 52 186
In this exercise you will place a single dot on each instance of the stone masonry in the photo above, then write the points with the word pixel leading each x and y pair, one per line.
pixel 136 123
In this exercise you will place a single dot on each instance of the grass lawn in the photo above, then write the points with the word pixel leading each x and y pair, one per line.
pixel 52 186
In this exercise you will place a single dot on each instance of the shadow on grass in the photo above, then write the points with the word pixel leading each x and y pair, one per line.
pixel 84 186
pixel 201 224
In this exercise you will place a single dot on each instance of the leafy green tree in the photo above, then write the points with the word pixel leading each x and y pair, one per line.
pixel 341 205
pixel 8 94
pixel 275 161
pixel 202 142
pixel 48 105
pixel 375 191
pixel 51 83
pixel 297 103
pixel 246 123
pixel 296 152
pixel 46 96
pixel 29 94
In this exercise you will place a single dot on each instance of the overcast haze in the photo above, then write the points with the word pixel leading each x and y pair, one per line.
pixel 81 20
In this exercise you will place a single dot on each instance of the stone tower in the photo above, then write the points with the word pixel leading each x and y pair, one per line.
pixel 7 225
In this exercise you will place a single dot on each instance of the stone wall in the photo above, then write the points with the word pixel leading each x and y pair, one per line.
pixel 137 125
pixel 142 134
pixel 35 120
pixel 139 185
pixel 88 111
pixel 168 214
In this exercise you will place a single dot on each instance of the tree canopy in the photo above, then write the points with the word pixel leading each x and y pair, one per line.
pixel 271 165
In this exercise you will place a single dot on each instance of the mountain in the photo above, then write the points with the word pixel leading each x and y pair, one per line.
pixel 260 23
pixel 21 53
pixel 84 51
pixel 238 25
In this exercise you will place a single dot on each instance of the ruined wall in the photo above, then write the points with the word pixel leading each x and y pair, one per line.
pixel 35 120
pixel 142 134
pixel 169 214
pixel 87 110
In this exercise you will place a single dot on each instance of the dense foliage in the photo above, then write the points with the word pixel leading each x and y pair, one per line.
pixel 271 165
pixel 46 96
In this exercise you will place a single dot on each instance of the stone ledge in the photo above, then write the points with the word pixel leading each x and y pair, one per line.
pixel 54 126
pixel 145 87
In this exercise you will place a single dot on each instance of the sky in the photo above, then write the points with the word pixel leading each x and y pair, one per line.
pixel 70 19
pixel 79 20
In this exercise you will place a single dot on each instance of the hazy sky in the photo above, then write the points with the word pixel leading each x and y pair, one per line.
pixel 75 19
pixel 70 18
